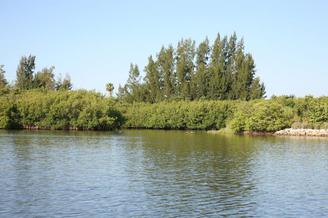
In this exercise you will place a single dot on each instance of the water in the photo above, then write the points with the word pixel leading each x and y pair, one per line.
pixel 161 174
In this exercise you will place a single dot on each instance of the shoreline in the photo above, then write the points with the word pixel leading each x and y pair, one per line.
pixel 283 132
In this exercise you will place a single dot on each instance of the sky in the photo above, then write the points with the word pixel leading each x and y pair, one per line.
pixel 95 41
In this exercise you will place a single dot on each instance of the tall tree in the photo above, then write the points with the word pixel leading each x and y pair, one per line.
pixel 200 79
pixel 184 67
pixel 230 68
pixel 25 71
pixel 221 71
pixel 45 79
pixel 122 92
pixel 64 84
pixel 257 89
pixel 134 78
pixel 240 77
pixel 133 91
pixel 248 77
pixel 216 69
pixel 166 69
pixel 3 81
pixel 152 80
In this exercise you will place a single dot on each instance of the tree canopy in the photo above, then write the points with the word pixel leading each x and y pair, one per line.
pixel 221 71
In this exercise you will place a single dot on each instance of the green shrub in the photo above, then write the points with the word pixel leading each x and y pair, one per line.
pixel 85 110
pixel 9 114
pixel 201 115
pixel 263 116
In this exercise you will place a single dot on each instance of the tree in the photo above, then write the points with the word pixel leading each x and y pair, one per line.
pixel 166 70
pixel 200 79
pixel 257 89
pixel 110 89
pixel 152 80
pixel 133 90
pixel 185 67
pixel 67 84
pixel 64 84
pixel 216 68
pixel 45 79
pixel 25 71
pixel 249 78
pixel 122 92
pixel 134 78
pixel 244 75
pixel 3 81
pixel 230 68
pixel 221 71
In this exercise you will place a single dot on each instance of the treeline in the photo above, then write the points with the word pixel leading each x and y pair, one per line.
pixel 210 87
pixel 48 109
pixel 89 110
pixel 222 71
pixel 239 116
pixel 27 78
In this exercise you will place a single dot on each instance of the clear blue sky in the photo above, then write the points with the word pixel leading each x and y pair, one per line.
pixel 95 41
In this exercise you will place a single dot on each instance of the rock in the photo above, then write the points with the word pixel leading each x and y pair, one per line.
pixel 303 132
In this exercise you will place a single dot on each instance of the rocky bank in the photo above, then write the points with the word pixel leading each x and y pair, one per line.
pixel 303 132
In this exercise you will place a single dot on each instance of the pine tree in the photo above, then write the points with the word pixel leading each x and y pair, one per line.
pixel 134 77
pixel 166 69
pixel 200 79
pixel 3 81
pixel 244 73
pixel 257 90
pixel 25 71
pixel 249 78
pixel 216 70
pixel 152 80
pixel 122 92
pixel 221 71
pixel 185 66
pixel 133 91
pixel 230 69
pixel 64 84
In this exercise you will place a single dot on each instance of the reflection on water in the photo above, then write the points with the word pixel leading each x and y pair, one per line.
pixel 160 174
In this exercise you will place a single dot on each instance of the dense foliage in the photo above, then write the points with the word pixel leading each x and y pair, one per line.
pixel 240 116
pixel 220 71
pixel 211 87
pixel 178 115
pixel 262 116
pixel 81 110
pixel 88 110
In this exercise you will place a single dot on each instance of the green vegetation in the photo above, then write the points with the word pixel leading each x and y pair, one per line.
pixel 222 71
pixel 80 110
pixel 178 115
pixel 239 116
pixel 26 79
pixel 88 110
pixel 204 88
pixel 262 116
pixel 38 101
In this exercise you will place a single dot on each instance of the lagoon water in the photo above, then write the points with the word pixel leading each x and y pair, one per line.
pixel 144 173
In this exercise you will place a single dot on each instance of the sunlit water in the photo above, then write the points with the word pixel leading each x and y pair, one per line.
pixel 161 174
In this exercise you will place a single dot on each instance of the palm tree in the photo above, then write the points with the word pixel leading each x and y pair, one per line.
pixel 110 88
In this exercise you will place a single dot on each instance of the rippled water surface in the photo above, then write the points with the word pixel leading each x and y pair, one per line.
pixel 161 174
